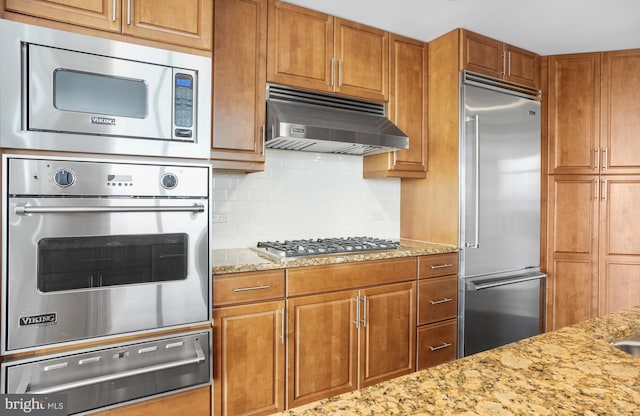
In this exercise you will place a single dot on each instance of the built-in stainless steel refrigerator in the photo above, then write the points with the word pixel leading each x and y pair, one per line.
pixel 500 280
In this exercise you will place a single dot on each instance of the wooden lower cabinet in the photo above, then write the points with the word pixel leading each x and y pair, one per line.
pixel 248 376
pixel 324 332
pixel 593 246
pixel 195 402
pixel 436 344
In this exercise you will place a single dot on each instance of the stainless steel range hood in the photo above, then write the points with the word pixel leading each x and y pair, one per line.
pixel 314 122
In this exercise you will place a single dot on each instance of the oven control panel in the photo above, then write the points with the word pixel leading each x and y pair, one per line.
pixel 90 178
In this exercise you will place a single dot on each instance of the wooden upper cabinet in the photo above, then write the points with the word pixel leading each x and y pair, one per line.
pixel 300 47
pixel 313 50
pixel 491 57
pixel 97 14
pixel 179 22
pixel 362 55
pixel 620 139
pixel 239 78
pixel 574 113
pixel 185 23
pixel 407 109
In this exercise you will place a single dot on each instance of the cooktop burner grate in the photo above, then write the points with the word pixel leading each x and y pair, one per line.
pixel 324 246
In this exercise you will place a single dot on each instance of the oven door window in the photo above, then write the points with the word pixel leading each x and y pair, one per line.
pixel 71 263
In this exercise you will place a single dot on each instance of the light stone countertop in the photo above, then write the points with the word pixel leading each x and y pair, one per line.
pixel 248 260
pixel 571 371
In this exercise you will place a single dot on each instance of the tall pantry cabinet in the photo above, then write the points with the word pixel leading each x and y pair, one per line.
pixel 593 236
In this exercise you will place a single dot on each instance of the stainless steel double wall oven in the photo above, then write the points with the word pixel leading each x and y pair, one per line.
pixel 105 253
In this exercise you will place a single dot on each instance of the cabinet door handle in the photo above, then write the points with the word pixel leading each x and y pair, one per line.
pixel 596 184
pixel 509 66
pixel 339 72
pixel 439 347
pixel 504 63
pixel 247 289
pixel 364 313
pixel 128 12
pixel 443 300
pixel 114 15
pixel 333 77
pixel 597 152
pixel 283 326
pixel 605 158
pixel 604 189
pixel 441 266
pixel 357 321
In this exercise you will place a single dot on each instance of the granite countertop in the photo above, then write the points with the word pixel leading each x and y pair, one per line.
pixel 571 371
pixel 248 260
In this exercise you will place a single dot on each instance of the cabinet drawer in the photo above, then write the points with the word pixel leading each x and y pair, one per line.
pixel 436 344
pixel 437 265
pixel 248 287
pixel 437 299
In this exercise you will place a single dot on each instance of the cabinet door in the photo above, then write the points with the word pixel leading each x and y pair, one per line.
pixel 437 299
pixel 572 249
pixel 178 22
pixel 300 47
pixel 97 14
pixel 362 54
pixel 195 402
pixel 249 364
pixel 321 346
pixel 574 113
pixel 482 55
pixel 387 332
pixel 620 110
pixel 436 344
pixel 619 243
pixel 407 109
pixel 239 84
pixel 523 67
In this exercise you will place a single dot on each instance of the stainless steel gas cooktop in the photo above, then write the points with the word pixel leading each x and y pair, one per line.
pixel 325 246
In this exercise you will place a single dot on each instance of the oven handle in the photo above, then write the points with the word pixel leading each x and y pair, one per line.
pixel 26 210
pixel 24 387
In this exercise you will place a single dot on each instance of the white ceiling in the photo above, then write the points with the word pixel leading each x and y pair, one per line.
pixel 547 27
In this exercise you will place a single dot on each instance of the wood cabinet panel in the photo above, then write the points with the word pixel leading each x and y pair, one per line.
pixel 620 232
pixel 239 79
pixel 407 109
pixel 195 402
pixel 321 346
pixel 98 14
pixel 300 47
pixel 573 291
pixel 620 284
pixel 388 325
pixel 437 265
pixel 248 287
pixel 310 280
pixel 574 113
pixel 482 55
pixel 620 109
pixel 437 299
pixel 176 22
pixel 436 344
pixel 249 367
pixel 363 60
pixel 523 67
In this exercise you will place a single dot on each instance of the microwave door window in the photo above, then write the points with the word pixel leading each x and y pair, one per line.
pixel 99 94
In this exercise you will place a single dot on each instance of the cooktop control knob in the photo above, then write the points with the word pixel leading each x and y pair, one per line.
pixel 64 177
pixel 169 181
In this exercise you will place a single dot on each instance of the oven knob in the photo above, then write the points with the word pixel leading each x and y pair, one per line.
pixel 169 181
pixel 64 177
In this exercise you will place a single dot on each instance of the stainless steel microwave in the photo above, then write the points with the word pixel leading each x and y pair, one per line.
pixel 71 92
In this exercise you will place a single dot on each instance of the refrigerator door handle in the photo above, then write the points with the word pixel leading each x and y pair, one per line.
pixel 476 243
pixel 508 281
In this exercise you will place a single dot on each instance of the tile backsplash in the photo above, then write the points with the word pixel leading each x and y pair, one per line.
pixel 303 195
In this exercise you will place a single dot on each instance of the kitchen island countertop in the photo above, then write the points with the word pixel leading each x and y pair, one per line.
pixel 248 260
pixel 571 371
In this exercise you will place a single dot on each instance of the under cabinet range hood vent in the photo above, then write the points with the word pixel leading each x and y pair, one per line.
pixel 325 123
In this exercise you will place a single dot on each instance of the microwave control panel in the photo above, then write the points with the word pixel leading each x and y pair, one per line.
pixel 183 103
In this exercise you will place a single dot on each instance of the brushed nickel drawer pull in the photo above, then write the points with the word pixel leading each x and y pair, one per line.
pixel 246 289
pixel 441 266
pixel 443 300
pixel 444 345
